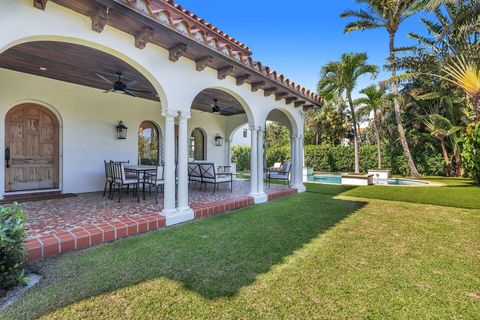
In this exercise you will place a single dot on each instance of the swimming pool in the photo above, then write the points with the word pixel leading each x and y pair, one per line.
pixel 337 179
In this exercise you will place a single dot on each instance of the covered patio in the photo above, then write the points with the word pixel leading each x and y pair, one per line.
pixel 176 86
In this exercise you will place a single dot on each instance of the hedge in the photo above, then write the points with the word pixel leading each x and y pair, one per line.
pixel 12 251
pixel 326 158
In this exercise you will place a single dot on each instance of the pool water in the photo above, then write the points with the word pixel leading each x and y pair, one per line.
pixel 336 179
pixel 325 179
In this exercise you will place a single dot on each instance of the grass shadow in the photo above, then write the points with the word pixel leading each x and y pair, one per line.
pixel 214 257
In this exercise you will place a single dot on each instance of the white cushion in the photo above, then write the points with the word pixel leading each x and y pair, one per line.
pixel 275 175
pixel 219 180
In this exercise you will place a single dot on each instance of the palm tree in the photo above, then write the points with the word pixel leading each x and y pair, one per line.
pixel 387 14
pixel 372 102
pixel 466 75
pixel 441 128
pixel 339 78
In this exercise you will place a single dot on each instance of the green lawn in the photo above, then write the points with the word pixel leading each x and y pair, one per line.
pixel 321 254
pixel 460 193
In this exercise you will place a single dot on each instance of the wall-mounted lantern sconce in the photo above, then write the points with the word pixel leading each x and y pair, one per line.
pixel 121 131
pixel 218 140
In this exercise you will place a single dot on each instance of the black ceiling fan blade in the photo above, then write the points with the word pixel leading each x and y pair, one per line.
pixel 129 93
pixel 104 79
pixel 139 90
pixel 132 83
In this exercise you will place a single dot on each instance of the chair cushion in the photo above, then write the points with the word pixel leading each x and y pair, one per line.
pixel 219 180
pixel 130 181
pixel 275 175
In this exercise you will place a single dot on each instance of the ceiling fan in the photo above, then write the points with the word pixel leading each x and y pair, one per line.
pixel 121 87
pixel 220 111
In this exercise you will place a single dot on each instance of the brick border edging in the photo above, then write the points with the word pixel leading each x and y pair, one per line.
pixel 84 237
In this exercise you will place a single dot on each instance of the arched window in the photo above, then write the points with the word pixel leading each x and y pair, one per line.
pixel 148 137
pixel 197 144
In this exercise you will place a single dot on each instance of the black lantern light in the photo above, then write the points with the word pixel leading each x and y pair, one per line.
pixel 218 140
pixel 121 131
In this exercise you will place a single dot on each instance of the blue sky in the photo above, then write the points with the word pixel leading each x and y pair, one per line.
pixel 297 38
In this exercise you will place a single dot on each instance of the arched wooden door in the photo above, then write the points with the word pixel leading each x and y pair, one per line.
pixel 31 148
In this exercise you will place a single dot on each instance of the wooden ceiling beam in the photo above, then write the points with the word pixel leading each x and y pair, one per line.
pixel 289 100
pixel 225 71
pixel 99 19
pixel 40 4
pixel 204 62
pixel 258 85
pixel 175 52
pixel 269 91
pixel 143 38
pixel 242 79
pixel 280 96
pixel 299 103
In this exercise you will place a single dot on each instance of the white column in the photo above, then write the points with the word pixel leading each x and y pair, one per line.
pixel 261 196
pixel 183 162
pixel 169 171
pixel 299 164
pixel 229 151
pixel 253 162
pixel 293 149
pixel 302 157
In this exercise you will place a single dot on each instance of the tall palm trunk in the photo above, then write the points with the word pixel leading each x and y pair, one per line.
pixel 458 162
pixel 377 136
pixel 355 132
pixel 398 113
pixel 446 158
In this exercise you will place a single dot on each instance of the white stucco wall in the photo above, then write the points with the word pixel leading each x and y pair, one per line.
pixel 88 118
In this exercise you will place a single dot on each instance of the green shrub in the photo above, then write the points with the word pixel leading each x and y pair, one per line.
pixel 341 159
pixel 278 154
pixel 471 151
pixel 241 157
pixel 12 251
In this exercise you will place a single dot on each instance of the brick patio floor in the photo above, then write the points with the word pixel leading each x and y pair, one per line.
pixel 62 225
pixel 50 216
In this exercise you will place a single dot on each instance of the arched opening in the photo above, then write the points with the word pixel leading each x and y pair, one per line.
pixel 31 148
pixel 149 147
pixel 197 150
pixel 224 111
pixel 280 149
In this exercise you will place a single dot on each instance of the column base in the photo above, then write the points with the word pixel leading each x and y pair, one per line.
pixel 259 197
pixel 178 216
pixel 300 188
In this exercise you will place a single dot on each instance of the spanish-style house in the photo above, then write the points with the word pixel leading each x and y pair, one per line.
pixel 82 82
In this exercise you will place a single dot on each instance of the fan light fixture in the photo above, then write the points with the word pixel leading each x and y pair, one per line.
pixel 121 131
pixel 216 108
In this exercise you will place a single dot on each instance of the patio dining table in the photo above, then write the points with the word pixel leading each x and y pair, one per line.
pixel 140 171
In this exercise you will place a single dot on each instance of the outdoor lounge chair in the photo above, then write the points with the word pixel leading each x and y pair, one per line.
pixel 121 180
pixel 194 173
pixel 156 180
pixel 282 175
pixel 209 176
pixel 108 178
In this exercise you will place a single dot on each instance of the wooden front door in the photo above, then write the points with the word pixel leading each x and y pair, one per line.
pixel 31 133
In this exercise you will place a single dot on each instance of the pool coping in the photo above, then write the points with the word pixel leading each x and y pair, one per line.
pixel 424 182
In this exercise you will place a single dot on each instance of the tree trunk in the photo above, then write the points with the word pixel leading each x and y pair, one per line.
pixel 398 113
pixel 377 136
pixel 458 163
pixel 446 159
pixel 355 132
